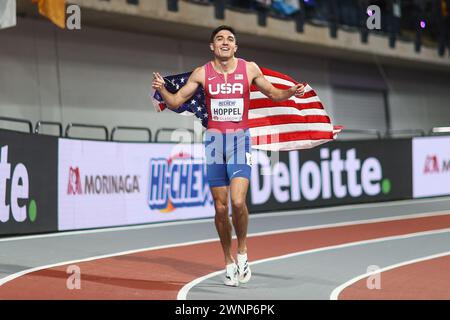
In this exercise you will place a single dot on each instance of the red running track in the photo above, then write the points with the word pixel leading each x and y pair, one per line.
pixel 429 279
pixel 160 274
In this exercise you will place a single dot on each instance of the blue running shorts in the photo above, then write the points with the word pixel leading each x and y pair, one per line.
pixel 228 156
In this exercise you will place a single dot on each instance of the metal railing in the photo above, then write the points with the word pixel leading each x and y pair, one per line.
pixel 371 132
pixel 90 126
pixel 50 123
pixel 107 137
pixel 440 131
pixel 172 130
pixel 24 121
pixel 408 132
pixel 117 128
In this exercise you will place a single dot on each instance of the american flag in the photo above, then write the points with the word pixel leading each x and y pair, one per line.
pixel 296 123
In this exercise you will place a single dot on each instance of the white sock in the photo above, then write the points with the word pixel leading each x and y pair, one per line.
pixel 231 268
pixel 242 258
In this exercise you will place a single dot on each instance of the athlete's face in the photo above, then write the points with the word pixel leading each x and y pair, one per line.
pixel 224 45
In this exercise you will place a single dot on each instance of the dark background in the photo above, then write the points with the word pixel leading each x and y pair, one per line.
pixel 394 156
pixel 39 154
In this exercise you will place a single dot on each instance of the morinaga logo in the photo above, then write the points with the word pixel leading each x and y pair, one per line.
pixel 433 165
pixel 74 181
pixel 101 184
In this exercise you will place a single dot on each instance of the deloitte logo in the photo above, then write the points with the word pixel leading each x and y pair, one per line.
pixel 333 177
pixel 18 184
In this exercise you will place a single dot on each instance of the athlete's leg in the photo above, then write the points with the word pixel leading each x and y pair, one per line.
pixel 216 170
pixel 222 220
pixel 239 187
pixel 238 190
pixel 239 172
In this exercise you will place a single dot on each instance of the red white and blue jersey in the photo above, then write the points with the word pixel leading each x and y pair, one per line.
pixel 227 101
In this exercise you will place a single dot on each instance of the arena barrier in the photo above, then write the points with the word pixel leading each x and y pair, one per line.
pixel 53 184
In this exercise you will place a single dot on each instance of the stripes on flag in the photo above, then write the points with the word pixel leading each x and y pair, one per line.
pixel 297 123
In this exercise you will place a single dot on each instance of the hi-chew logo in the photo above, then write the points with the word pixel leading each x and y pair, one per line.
pixel 101 184
pixel 179 181
pixel 434 165
pixel 15 178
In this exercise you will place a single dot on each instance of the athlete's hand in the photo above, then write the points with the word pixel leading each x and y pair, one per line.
pixel 299 90
pixel 158 81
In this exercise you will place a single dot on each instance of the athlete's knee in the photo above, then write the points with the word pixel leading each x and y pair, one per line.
pixel 238 204
pixel 221 210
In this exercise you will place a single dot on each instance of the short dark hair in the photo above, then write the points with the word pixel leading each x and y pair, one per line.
pixel 220 28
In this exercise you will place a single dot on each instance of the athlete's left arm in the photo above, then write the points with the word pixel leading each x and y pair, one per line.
pixel 268 89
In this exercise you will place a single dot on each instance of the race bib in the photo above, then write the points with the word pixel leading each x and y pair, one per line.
pixel 227 109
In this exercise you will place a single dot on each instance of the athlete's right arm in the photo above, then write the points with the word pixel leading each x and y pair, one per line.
pixel 173 101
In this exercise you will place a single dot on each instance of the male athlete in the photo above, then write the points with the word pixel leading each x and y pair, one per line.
pixel 226 81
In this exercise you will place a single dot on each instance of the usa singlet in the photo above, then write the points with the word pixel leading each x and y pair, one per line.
pixel 227 139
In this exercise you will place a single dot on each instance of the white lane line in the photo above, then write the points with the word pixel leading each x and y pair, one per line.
pixel 355 207
pixel 354 223
pixel 102 230
pixel 182 294
pixel 334 209
pixel 337 291
pixel 24 272
pixel 180 244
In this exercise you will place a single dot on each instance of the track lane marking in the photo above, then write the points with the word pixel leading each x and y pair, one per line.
pixel 182 294
pixel 429 222
pixel 338 290
pixel 316 227
pixel 253 216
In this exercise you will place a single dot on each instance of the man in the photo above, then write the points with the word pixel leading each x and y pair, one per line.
pixel 226 81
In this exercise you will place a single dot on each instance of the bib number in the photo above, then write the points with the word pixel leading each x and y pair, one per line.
pixel 227 109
